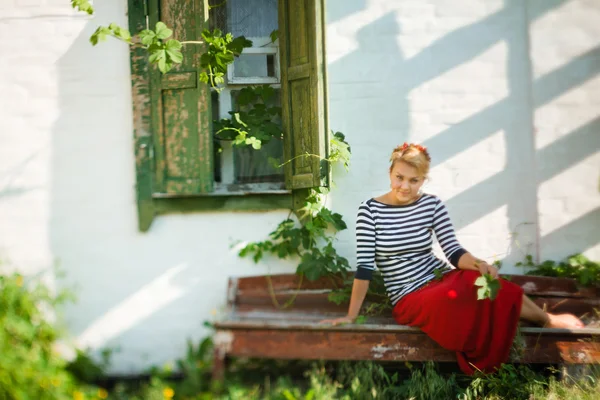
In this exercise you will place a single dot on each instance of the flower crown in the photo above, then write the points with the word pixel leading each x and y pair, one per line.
pixel 405 147
pixel 400 150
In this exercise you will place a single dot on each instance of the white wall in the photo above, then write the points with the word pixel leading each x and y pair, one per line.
pixel 67 193
pixel 508 110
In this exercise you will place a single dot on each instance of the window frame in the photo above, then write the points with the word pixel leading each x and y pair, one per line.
pixel 151 203
pixel 268 48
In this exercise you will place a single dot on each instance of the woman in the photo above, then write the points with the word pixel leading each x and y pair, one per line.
pixel 394 232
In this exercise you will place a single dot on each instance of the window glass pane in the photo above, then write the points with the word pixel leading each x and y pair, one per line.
pixel 251 18
pixel 214 97
pixel 254 65
pixel 217 16
pixel 256 166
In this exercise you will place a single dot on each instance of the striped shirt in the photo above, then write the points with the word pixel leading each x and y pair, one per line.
pixel 398 240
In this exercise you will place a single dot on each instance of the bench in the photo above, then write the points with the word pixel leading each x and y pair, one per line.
pixel 254 327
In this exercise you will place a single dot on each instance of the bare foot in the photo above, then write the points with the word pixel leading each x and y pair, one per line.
pixel 568 321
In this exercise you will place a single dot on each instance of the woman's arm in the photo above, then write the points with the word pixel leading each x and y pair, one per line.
pixel 359 291
pixel 365 256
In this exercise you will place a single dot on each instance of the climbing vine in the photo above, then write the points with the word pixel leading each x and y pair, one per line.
pixel 256 121
pixel 312 237
pixel 165 51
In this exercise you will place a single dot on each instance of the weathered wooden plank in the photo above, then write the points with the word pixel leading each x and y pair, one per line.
pixel 279 324
pixel 318 299
pixel 386 346
pixel 532 285
pixel 285 282
pixel 549 286
pixel 182 80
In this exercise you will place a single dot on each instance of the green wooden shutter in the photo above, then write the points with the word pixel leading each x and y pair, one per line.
pixel 142 117
pixel 303 90
pixel 181 112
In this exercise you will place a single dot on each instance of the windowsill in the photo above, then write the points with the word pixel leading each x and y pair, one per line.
pixel 280 200
pixel 234 189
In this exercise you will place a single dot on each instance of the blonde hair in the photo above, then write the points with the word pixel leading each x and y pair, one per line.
pixel 412 154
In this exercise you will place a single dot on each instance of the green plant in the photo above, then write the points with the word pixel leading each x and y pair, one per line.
pixel 219 54
pixel 311 242
pixel 254 122
pixel 85 369
pixel 83 5
pixel 427 384
pixel 30 367
pixel 576 266
pixel 312 239
pixel 488 287
pixel 102 32
pixel 509 382
pixel 196 367
pixel 221 49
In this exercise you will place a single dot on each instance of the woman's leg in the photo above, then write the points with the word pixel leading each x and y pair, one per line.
pixel 531 312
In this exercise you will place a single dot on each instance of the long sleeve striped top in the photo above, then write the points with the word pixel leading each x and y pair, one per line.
pixel 398 241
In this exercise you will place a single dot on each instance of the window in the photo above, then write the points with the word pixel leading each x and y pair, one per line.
pixel 180 164
pixel 242 169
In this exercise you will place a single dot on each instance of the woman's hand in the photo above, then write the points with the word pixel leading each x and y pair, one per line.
pixel 486 268
pixel 339 321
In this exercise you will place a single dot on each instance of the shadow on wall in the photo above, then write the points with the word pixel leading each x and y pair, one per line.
pixel 378 87
pixel 151 291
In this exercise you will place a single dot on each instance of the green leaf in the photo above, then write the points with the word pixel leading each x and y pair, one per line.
pixel 99 35
pixel 256 144
pixel 488 287
pixel 173 44
pixel 238 44
pixel 219 78
pixel 173 47
pixel 274 35
pixel 83 5
pixel 156 55
pixel 147 37
pixel 203 77
pixel 361 319
pixel 288 395
pixel 164 65
pixel 175 56
pixel 124 34
pixel 162 31
pixel 223 60
pixel 481 293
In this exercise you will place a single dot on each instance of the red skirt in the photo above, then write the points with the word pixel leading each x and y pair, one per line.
pixel 481 332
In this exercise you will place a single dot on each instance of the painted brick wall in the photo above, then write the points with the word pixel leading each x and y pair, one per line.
pixel 504 93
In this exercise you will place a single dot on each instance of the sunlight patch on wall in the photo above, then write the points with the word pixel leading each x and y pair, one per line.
pixel 570 194
pixel 470 167
pixel 567 113
pixel 140 305
pixel 422 23
pixel 562 34
pixel 463 91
